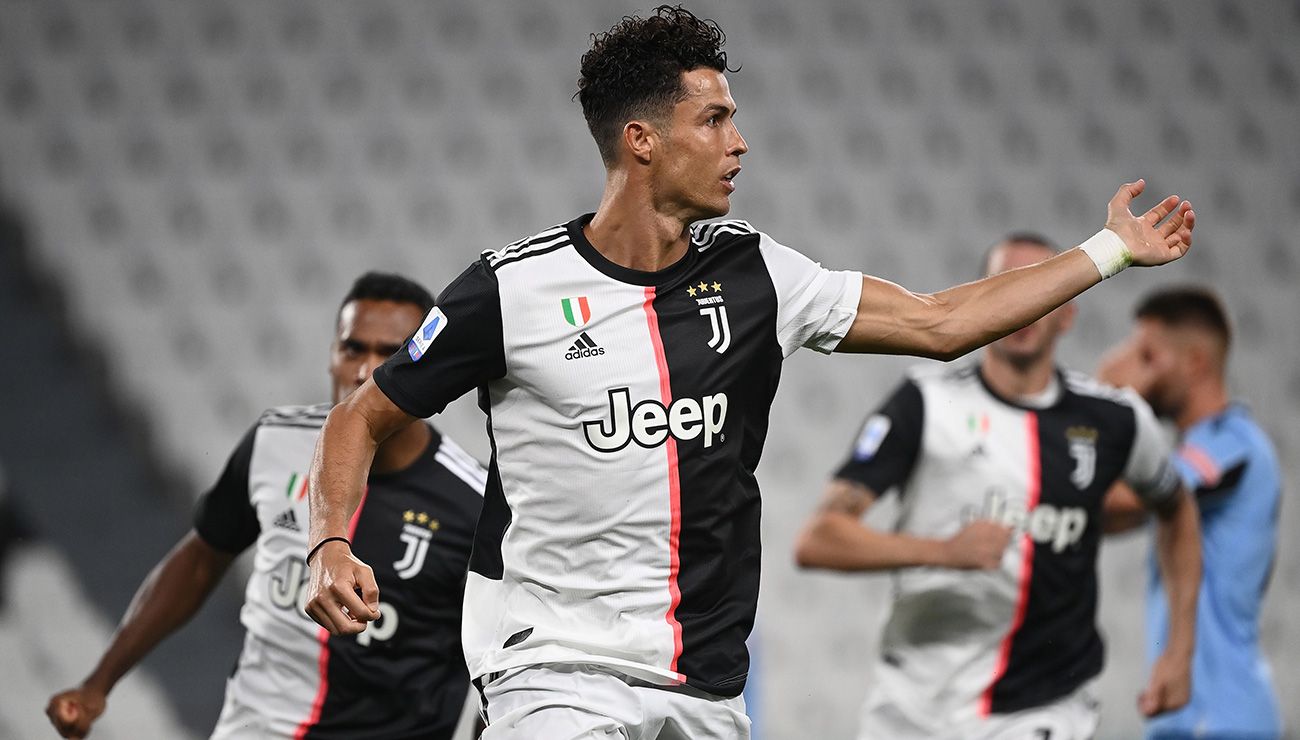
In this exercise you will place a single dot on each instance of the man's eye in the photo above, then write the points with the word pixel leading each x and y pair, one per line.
pixel 713 120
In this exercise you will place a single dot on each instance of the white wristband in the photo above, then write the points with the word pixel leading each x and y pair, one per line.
pixel 1108 252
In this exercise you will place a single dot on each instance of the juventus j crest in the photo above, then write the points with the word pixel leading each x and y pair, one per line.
pixel 709 297
pixel 416 533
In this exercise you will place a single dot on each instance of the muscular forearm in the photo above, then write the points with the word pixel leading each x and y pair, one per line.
pixel 1178 549
pixel 839 542
pixel 951 323
pixel 981 312
pixel 339 469
pixel 165 601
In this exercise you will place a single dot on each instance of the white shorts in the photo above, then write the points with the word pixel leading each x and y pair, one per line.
pixel 1072 717
pixel 582 702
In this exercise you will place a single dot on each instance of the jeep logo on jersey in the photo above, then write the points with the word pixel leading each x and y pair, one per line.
pixel 649 423
pixel 1083 448
pixel 1061 527
pixel 433 325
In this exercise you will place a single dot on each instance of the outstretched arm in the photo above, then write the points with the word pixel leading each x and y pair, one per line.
pixel 165 601
pixel 1178 550
pixel 948 324
pixel 836 539
pixel 339 469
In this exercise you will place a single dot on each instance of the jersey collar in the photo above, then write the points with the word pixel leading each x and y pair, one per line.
pixel 1046 400
pixel 658 278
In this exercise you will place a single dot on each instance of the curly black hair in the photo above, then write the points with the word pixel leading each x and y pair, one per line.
pixel 634 69
pixel 382 286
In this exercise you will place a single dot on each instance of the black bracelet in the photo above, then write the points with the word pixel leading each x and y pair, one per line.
pixel 321 544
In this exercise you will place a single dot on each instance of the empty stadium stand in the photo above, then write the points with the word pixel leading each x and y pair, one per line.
pixel 205 179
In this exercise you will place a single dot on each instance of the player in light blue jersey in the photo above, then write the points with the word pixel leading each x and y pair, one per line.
pixel 1176 358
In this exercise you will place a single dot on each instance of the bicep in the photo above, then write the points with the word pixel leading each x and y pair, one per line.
pixel 893 320
pixel 846 497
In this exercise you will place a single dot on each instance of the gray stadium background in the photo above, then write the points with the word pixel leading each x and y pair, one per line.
pixel 199 182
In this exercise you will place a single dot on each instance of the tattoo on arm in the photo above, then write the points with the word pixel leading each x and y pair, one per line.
pixel 847 497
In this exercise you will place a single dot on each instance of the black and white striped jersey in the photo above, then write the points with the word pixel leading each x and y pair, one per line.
pixel 405 676
pixel 627 412
pixel 962 644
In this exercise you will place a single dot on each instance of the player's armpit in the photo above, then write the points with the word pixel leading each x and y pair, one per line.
pixel 1122 510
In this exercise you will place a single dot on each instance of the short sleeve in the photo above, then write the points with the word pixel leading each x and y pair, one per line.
pixel 1213 466
pixel 225 517
pixel 456 349
pixel 886 449
pixel 815 306
pixel 1149 472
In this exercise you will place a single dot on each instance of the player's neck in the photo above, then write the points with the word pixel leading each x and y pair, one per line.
pixel 1208 398
pixel 630 231
pixel 402 449
pixel 1015 382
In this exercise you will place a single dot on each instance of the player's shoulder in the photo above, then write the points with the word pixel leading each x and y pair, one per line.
pixel 1085 386
pixel 720 234
pixel 296 416
pixel 543 242
pixel 1235 431
pixel 932 375
pixel 460 463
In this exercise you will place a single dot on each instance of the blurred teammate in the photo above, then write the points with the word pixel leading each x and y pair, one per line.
pixel 987 641
pixel 627 362
pixel 1176 358
pixel 406 677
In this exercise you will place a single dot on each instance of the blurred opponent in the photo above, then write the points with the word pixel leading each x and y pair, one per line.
pixel 405 678
pixel 1176 357
pixel 986 641
pixel 627 360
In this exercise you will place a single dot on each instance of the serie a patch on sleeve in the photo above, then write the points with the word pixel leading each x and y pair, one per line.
pixel 433 325
pixel 872 436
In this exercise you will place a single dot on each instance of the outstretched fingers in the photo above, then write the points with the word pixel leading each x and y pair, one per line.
pixel 1175 222
pixel 1161 209
pixel 1125 195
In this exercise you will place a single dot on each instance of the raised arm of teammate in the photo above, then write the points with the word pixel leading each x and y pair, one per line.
pixel 342 593
pixel 950 323
pixel 836 539
pixel 165 601
pixel 1178 551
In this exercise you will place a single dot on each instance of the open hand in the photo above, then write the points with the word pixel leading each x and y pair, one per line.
pixel 342 595
pixel 1170 687
pixel 1151 238
pixel 72 712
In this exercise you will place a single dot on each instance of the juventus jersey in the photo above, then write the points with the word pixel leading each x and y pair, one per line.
pixel 963 644
pixel 404 677
pixel 627 412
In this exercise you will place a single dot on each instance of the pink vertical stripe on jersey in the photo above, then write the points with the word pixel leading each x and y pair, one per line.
pixel 323 637
pixel 1032 494
pixel 674 484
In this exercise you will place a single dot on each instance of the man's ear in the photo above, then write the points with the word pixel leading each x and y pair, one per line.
pixel 641 138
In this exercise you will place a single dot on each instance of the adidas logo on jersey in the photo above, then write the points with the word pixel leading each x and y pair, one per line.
pixel 287 520
pixel 584 347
